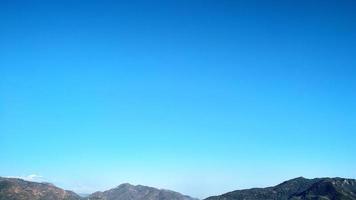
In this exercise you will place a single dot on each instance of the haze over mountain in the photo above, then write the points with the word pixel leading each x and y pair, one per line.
pixel 295 189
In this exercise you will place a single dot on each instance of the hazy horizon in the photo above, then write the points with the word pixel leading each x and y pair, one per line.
pixel 199 97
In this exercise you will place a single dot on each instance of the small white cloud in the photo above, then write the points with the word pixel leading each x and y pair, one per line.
pixel 31 177
pixel 34 177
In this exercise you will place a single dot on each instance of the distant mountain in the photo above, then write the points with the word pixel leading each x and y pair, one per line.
pixel 298 189
pixel 18 189
pixel 139 192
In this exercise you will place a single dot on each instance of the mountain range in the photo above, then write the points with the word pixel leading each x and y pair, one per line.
pixel 294 189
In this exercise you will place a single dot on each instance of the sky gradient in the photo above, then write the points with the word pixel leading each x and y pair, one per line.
pixel 201 97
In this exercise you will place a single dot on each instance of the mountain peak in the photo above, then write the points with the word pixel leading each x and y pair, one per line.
pixel 127 191
pixel 123 185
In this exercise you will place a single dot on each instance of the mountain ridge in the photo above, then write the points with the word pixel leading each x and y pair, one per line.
pixel 299 188
pixel 19 189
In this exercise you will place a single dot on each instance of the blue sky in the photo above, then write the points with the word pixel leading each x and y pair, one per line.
pixel 201 97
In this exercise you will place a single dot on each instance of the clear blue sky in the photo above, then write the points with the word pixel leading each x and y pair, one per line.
pixel 201 97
